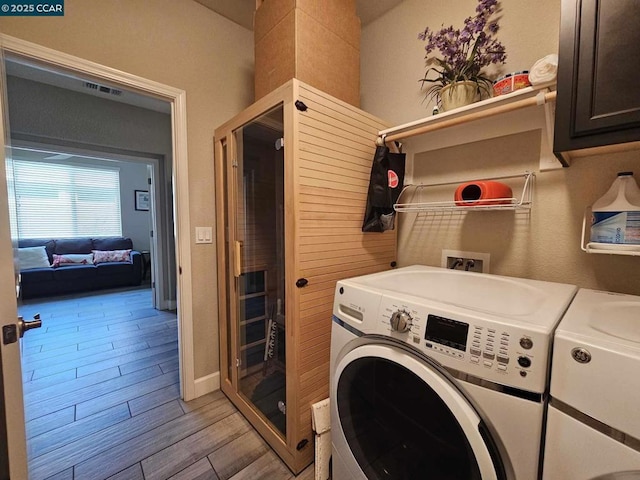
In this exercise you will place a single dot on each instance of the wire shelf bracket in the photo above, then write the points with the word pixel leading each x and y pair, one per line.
pixel 603 248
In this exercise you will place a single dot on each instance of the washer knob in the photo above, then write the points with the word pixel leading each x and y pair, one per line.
pixel 526 343
pixel 400 321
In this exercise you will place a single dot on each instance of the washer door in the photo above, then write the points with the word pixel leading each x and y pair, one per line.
pixel 400 416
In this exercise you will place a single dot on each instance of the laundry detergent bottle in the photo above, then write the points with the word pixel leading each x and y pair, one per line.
pixel 616 216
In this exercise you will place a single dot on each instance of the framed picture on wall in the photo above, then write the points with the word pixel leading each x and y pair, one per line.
pixel 142 200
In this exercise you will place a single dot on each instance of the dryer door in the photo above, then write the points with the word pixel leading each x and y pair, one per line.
pixel 400 417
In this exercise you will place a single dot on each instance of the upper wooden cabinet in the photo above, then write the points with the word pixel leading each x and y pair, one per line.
pixel 598 100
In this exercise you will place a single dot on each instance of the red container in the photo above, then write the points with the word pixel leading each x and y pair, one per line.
pixel 510 83
pixel 486 192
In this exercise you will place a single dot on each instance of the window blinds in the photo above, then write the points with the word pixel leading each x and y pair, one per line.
pixel 61 200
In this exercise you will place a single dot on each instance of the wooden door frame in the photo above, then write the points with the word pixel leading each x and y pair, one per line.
pixel 15 451
pixel 178 101
pixel 4 447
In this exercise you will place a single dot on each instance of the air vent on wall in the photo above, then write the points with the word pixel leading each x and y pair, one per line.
pixel 102 89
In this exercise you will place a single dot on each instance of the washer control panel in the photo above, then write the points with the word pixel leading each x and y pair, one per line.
pixel 491 349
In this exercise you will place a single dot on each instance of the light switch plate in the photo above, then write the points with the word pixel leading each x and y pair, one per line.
pixel 204 235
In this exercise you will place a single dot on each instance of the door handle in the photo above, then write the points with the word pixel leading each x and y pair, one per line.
pixel 11 332
pixel 29 324
pixel 237 258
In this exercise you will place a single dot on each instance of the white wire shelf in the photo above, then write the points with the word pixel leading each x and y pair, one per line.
pixel 604 248
pixel 512 203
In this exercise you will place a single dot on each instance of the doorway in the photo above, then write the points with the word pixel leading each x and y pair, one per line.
pixel 75 212
pixel 87 335
pixel 85 119
pixel 177 100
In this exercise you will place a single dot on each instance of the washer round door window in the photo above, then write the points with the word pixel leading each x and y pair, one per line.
pixel 401 417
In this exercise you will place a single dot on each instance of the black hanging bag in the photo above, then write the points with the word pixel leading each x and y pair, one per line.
pixel 385 185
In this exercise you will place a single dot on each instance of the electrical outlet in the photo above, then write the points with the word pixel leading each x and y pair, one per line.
pixel 471 261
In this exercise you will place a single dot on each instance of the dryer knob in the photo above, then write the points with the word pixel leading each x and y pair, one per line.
pixel 400 321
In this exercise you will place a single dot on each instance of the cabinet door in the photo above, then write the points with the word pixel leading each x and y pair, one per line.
pixel 598 89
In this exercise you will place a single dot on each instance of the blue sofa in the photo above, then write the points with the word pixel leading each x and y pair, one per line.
pixel 64 279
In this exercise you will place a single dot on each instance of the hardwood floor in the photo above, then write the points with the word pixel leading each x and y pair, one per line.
pixel 102 399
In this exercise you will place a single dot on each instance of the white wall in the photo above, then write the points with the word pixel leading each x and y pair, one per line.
pixel 392 57
pixel 182 44
pixel 543 244
pixel 136 224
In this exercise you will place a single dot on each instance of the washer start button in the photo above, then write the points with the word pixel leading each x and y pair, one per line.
pixel 524 362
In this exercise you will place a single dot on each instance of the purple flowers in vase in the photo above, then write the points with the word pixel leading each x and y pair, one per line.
pixel 463 53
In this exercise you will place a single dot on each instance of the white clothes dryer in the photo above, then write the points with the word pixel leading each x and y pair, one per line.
pixel 593 428
pixel 441 374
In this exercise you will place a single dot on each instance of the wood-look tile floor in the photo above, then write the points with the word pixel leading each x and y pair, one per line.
pixel 102 399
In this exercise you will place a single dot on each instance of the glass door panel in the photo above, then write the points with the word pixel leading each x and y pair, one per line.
pixel 259 261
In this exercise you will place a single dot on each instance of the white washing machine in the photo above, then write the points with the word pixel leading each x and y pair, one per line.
pixel 441 374
pixel 593 428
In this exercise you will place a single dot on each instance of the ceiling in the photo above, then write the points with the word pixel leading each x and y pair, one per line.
pixel 241 11
pixel 238 11
pixel 19 67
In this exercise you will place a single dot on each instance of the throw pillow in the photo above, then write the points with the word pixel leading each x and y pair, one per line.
pixel 33 257
pixel 72 259
pixel 106 256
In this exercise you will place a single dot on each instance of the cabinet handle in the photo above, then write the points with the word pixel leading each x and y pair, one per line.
pixel 237 258
pixel 301 282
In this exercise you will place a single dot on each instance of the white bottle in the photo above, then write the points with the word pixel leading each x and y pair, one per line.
pixel 616 216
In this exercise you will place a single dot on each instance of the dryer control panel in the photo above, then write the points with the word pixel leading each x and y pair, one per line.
pixel 486 347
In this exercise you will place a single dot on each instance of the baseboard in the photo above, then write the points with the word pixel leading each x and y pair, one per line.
pixel 208 384
pixel 167 305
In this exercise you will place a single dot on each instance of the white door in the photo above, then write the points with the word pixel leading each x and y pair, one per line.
pixel 13 451
pixel 152 262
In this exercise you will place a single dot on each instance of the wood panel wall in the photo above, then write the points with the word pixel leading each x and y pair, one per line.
pixel 335 146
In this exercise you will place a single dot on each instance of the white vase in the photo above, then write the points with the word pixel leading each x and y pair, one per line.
pixel 459 94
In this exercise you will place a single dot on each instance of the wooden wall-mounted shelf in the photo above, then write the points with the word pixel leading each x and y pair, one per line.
pixel 491 113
